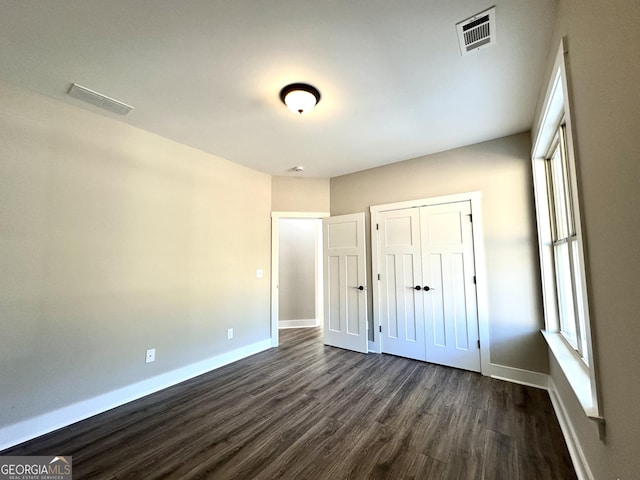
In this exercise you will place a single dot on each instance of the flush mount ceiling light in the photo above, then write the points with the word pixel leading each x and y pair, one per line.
pixel 300 97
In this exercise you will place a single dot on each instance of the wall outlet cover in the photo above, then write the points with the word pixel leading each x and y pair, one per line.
pixel 151 355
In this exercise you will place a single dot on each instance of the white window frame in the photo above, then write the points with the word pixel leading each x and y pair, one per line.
pixel 564 236
pixel 574 357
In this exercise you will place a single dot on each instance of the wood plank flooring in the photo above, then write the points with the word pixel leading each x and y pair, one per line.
pixel 307 411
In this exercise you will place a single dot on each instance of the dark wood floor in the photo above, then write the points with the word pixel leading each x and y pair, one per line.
pixel 306 411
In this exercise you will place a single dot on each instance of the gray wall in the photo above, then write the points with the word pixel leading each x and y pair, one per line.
pixel 605 79
pixel 501 170
pixel 114 240
pixel 297 268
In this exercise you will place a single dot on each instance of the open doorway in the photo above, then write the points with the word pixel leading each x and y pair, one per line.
pixel 299 273
pixel 297 281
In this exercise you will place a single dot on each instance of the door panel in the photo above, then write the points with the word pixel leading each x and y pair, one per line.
pixel 412 315
pixel 345 322
pixel 458 299
pixel 389 298
pixel 434 304
pixel 332 293
pixel 353 295
pixel 401 315
pixel 451 320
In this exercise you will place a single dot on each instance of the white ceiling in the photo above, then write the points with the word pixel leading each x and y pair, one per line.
pixel 207 73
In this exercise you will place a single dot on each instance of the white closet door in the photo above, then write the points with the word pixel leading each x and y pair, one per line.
pixel 401 315
pixel 451 317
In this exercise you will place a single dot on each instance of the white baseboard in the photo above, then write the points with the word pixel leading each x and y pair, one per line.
pixel 304 323
pixel 48 422
pixel 517 375
pixel 580 464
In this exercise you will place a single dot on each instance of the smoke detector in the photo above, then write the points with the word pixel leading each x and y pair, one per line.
pixel 98 99
pixel 477 32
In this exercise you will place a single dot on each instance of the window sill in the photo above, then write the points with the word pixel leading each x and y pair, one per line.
pixel 576 372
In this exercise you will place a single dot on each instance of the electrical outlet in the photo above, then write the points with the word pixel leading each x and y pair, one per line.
pixel 229 333
pixel 151 355
pixel 259 273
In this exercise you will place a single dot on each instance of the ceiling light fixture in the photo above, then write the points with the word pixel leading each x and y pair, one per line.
pixel 300 97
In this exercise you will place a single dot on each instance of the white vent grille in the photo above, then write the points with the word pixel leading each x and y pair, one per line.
pixel 98 99
pixel 477 32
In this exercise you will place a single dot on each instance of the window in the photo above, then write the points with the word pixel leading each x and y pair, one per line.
pixel 564 240
pixel 562 258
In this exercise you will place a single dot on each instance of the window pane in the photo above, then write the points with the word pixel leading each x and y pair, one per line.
pixel 575 264
pixel 550 200
pixel 571 229
pixel 559 194
pixel 565 292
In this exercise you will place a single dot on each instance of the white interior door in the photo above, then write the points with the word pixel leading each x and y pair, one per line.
pixel 401 302
pixel 345 312
pixel 451 316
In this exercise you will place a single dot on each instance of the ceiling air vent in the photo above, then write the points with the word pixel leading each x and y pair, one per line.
pixel 477 32
pixel 98 99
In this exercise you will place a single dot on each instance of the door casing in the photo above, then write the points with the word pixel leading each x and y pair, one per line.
pixel 479 257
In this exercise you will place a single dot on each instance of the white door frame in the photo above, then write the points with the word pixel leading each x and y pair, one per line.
pixel 481 274
pixel 275 268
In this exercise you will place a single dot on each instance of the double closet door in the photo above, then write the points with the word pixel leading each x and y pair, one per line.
pixel 427 295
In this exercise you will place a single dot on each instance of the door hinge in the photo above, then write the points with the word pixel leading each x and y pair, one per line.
pixel 380 328
pixel 474 280
pixel 377 226
pixel 378 276
pixel 478 343
pixel 470 217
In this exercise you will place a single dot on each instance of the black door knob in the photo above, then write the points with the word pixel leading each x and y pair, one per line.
pixel 427 288
pixel 418 287
pixel 360 287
